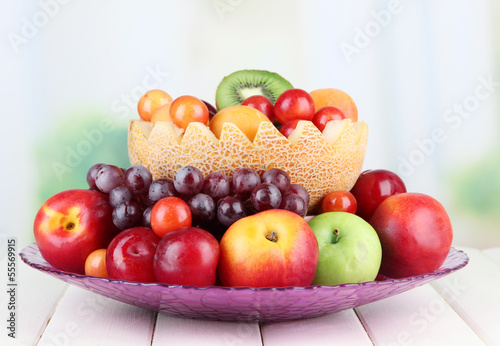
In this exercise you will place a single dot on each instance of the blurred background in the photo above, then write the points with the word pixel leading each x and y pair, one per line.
pixel 424 74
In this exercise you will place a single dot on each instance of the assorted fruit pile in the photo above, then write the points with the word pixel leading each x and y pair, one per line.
pixel 224 197
pixel 215 201
pixel 261 122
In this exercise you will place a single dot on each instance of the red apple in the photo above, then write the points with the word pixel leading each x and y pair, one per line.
pixel 373 187
pixel 70 225
pixel 187 256
pixel 130 255
pixel 415 232
pixel 273 248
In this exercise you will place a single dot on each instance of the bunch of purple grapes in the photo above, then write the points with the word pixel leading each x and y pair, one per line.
pixel 128 190
pixel 225 200
pixel 214 200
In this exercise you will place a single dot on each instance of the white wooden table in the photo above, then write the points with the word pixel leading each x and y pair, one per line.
pixel 460 309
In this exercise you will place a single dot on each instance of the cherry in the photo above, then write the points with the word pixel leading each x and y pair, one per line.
pixel 95 264
pixel 340 200
pixel 186 109
pixel 150 102
pixel 168 214
pixel 326 114
pixel 262 104
pixel 287 128
pixel 294 104
pixel 373 187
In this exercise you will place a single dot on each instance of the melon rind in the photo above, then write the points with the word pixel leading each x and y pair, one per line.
pixel 310 160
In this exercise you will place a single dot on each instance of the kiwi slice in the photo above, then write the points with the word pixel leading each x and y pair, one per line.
pixel 240 85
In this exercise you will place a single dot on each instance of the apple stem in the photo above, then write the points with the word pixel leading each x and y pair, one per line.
pixel 272 237
pixel 70 226
pixel 336 233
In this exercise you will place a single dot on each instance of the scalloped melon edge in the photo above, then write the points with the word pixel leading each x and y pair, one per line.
pixel 308 157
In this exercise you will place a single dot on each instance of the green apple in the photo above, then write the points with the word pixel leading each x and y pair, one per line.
pixel 349 249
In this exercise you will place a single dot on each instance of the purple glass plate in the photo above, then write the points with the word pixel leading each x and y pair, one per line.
pixel 244 303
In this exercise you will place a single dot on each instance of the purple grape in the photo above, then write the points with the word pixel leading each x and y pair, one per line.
pixel 188 181
pixel 244 181
pixel 265 196
pixel 277 177
pixel 91 174
pixel 229 210
pixel 211 109
pixel 295 204
pixel 298 190
pixel 161 188
pixel 142 200
pixel 146 217
pixel 119 195
pixel 203 208
pixel 127 215
pixel 217 185
pixel 108 177
pixel 138 179
pixel 249 208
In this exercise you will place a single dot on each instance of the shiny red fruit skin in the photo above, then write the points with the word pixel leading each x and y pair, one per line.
pixel 287 128
pixel 340 200
pixel 249 258
pixel 187 256
pixel 326 114
pixel 415 232
pixel 168 214
pixel 262 104
pixel 373 187
pixel 70 225
pixel 130 255
pixel 294 104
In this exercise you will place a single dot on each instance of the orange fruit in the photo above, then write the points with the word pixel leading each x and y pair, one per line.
pixel 246 118
pixel 186 109
pixel 330 97
pixel 95 264
pixel 320 162
pixel 151 101
pixel 161 114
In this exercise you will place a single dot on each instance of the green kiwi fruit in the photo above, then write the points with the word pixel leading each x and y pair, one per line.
pixel 240 85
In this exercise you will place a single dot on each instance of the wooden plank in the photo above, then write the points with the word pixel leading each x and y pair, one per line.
pixel 416 317
pixel 473 293
pixel 342 328
pixel 36 296
pixel 85 318
pixel 173 330
pixel 493 253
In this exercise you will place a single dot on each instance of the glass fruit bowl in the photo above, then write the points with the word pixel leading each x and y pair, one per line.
pixel 244 303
